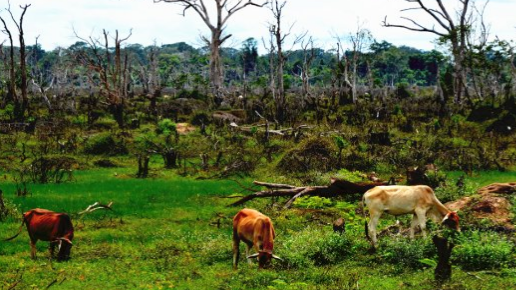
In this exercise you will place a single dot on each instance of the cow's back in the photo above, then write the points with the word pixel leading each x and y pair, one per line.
pixel 47 225
pixel 245 223
pixel 399 199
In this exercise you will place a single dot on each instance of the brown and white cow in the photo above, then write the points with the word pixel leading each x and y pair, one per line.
pixel 418 200
pixel 50 226
pixel 255 230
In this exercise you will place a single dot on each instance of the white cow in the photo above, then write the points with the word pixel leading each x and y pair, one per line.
pixel 418 200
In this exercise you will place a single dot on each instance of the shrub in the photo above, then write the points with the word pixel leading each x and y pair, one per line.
pixel 483 251
pixel 313 202
pixel 104 124
pixel 318 154
pixel 7 208
pixel 166 127
pixel 408 253
pixel 105 144
pixel 319 247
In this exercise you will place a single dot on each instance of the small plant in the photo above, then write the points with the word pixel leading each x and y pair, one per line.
pixel 105 144
pixel 312 246
pixel 483 251
pixel 408 253
pixel 7 209
pixel 166 127
pixel 312 202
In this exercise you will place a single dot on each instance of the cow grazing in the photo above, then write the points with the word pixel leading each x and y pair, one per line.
pixel 255 230
pixel 418 200
pixel 50 226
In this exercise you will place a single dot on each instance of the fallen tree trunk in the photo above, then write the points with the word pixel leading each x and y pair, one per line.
pixel 337 187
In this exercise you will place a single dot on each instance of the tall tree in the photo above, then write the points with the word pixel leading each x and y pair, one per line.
pixel 21 103
pixel 224 9
pixel 110 66
pixel 277 50
pixel 454 31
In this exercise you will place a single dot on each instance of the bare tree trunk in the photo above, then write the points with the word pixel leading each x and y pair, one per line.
pixel 456 32
pixel 21 103
pixel 336 188
pixel 443 271
pixel 224 10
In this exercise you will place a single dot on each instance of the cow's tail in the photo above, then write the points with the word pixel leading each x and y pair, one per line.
pixel 19 231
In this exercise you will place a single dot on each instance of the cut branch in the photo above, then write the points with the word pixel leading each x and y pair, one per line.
pixel 337 187
pixel 96 206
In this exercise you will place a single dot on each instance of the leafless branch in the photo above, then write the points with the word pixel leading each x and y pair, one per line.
pixel 97 206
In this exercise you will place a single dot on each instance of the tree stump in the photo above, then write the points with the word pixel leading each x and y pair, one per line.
pixel 339 226
pixel 443 271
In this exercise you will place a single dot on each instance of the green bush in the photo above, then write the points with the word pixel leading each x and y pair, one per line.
pixel 331 249
pixel 313 202
pixel 408 253
pixel 105 124
pixel 105 144
pixel 483 251
pixel 312 154
pixel 166 127
pixel 312 246
pixel 80 120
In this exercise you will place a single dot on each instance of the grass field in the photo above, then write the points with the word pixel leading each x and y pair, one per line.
pixel 163 234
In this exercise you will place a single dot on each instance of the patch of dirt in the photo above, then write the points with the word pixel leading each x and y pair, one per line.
pixel 184 128
pixel 503 188
pixel 490 206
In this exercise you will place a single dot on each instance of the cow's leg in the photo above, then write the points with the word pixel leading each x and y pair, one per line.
pixel 421 220
pixel 373 223
pixel 413 224
pixel 236 250
pixel 52 247
pixel 33 248
pixel 248 252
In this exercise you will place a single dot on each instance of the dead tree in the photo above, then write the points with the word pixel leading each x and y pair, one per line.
pixel 224 10
pixel 449 29
pixel 150 78
pixel 337 187
pixel 278 58
pixel 21 103
pixel 111 68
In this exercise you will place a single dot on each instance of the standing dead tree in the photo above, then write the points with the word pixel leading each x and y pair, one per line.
pixel 110 66
pixel 449 30
pixel 337 187
pixel 278 58
pixel 21 103
pixel 224 9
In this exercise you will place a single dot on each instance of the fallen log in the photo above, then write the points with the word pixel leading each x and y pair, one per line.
pixel 337 187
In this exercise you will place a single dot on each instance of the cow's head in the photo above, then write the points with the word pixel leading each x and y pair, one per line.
pixel 264 258
pixel 451 220
pixel 64 246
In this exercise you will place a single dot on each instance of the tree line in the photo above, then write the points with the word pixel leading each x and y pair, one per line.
pixel 107 71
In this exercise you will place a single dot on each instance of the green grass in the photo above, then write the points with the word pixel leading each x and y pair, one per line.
pixel 162 235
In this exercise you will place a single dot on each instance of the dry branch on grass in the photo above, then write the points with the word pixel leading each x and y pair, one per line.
pixel 337 187
pixel 96 206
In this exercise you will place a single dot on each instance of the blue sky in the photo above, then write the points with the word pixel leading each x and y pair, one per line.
pixel 162 23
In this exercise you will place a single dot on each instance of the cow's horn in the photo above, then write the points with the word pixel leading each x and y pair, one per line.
pixel 66 240
pixel 277 258
pixel 253 256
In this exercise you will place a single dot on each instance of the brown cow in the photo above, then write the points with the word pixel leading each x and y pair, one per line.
pixel 50 226
pixel 418 200
pixel 254 229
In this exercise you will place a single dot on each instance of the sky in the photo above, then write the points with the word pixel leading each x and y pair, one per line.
pixel 53 22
